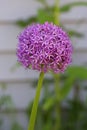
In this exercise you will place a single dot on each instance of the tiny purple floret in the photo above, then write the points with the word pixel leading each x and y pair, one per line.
pixel 44 47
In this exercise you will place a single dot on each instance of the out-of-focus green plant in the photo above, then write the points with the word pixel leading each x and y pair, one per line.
pixel 47 14
pixel 6 104
pixel 16 126
pixel 73 116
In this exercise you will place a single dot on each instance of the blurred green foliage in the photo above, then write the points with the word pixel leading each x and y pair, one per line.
pixel 47 14
pixel 67 7
pixel 74 114
pixel 16 126
pixel 7 105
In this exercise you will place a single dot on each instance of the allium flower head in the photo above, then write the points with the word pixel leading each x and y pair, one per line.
pixel 44 47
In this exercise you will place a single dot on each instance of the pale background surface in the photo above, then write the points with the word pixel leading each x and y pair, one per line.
pixel 17 81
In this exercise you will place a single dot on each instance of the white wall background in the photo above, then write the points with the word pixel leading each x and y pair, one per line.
pixel 17 81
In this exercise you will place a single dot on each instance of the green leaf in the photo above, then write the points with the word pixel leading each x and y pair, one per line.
pixel 44 3
pixel 15 66
pixel 47 126
pixel 67 7
pixel 16 126
pixel 67 87
pixel 40 1
pixel 6 101
pixel 49 103
pixel 73 33
pixel 1 122
pixel 73 72
pixel 45 15
pixel 78 72
pixel 3 86
pixel 23 23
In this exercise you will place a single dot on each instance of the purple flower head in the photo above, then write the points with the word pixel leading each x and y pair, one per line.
pixel 44 47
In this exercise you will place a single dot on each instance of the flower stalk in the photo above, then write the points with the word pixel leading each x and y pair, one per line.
pixel 35 104
pixel 57 107
pixel 57 13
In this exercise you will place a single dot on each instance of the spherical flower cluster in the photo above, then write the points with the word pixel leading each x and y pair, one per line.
pixel 44 47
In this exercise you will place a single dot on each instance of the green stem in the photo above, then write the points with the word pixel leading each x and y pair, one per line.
pixel 57 88
pixel 45 4
pixel 57 13
pixel 57 109
pixel 35 104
